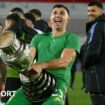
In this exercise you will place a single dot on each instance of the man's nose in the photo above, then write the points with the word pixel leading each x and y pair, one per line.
pixel 58 14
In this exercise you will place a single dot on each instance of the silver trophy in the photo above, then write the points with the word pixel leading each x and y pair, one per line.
pixel 16 53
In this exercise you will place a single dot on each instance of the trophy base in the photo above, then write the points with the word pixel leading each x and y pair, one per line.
pixel 39 88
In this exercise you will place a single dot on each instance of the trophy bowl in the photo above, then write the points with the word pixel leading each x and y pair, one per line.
pixel 14 52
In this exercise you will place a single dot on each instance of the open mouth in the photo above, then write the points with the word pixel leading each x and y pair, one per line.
pixel 58 21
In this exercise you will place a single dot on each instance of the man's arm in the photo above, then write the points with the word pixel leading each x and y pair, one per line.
pixel 33 53
pixel 66 57
pixel 62 62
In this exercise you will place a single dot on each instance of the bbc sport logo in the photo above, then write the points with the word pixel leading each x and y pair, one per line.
pixel 7 93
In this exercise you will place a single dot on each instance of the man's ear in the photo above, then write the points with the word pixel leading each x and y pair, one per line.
pixel 102 11
pixel 69 18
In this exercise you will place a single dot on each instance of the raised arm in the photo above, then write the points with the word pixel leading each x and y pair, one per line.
pixel 66 57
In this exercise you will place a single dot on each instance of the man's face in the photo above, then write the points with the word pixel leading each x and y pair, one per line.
pixel 8 23
pixel 59 18
pixel 29 23
pixel 94 12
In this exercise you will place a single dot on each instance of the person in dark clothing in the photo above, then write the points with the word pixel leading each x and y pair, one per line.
pixel 94 54
pixel 21 27
pixel 12 23
pixel 31 21
pixel 40 23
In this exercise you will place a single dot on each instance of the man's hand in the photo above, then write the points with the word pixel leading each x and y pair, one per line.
pixel 37 67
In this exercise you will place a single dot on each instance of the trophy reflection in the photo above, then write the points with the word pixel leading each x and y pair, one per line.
pixel 16 53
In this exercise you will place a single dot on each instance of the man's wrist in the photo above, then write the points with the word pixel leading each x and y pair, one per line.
pixel 44 65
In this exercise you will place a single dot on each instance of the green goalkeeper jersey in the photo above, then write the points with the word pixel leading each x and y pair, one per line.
pixel 49 48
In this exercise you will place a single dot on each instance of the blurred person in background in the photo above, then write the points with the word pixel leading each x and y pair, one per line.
pixel 94 53
pixel 13 23
pixel 31 21
pixel 40 23
pixel 28 32
pixel 55 52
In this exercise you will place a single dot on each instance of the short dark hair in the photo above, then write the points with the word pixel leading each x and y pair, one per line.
pixel 15 17
pixel 36 12
pixel 60 5
pixel 17 9
pixel 96 3
pixel 30 17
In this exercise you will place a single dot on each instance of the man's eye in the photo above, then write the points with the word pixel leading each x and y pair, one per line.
pixel 54 12
pixel 62 13
pixel 93 10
